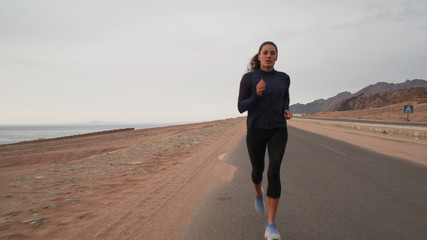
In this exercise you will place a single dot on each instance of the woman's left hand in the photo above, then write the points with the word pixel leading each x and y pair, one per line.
pixel 288 115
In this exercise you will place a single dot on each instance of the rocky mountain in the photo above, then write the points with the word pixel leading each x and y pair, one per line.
pixel 368 101
pixel 382 87
pixel 322 105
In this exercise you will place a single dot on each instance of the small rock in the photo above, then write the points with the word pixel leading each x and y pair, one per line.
pixel 8 195
pixel 13 214
pixel 49 206
pixel 71 198
pixel 5 220
pixel 35 222
pixel 5 227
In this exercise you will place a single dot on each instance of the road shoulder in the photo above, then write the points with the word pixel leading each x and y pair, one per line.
pixel 406 148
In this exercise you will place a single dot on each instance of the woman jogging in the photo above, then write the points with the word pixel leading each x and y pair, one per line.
pixel 264 93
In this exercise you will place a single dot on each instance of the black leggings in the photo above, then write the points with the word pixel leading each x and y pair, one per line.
pixel 275 140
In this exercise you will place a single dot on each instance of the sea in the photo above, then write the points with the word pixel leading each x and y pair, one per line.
pixel 18 133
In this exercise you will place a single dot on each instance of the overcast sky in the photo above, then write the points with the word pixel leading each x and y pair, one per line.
pixel 172 61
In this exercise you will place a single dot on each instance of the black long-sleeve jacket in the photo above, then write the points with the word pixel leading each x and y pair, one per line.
pixel 264 111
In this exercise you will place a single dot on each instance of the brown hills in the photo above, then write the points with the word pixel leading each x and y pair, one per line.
pixel 324 105
pixel 382 108
pixel 392 113
pixel 369 101
pixel 386 106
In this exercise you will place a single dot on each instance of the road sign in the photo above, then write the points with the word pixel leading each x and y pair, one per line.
pixel 408 109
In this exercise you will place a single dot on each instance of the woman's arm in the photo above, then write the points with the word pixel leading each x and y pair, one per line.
pixel 247 99
pixel 286 99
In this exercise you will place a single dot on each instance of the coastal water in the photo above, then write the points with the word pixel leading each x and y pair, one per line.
pixel 18 133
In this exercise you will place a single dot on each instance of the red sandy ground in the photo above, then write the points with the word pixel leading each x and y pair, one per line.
pixel 140 184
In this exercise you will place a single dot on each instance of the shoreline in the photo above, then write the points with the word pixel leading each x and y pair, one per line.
pixel 15 134
pixel 72 136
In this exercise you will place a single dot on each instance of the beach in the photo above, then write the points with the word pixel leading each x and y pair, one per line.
pixel 134 184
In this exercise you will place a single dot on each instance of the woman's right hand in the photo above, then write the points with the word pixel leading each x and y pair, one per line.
pixel 260 87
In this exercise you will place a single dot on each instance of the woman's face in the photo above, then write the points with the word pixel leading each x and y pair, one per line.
pixel 267 57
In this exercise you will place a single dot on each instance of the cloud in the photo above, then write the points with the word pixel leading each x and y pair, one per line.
pixel 184 59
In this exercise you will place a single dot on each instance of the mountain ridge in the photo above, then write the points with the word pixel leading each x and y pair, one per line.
pixel 322 105
pixel 377 100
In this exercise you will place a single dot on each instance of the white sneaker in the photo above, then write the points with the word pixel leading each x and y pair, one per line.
pixel 260 203
pixel 271 232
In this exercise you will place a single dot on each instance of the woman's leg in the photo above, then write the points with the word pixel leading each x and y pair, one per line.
pixel 272 205
pixel 258 191
pixel 256 144
pixel 276 151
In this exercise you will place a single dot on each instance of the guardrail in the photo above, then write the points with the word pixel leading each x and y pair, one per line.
pixel 411 131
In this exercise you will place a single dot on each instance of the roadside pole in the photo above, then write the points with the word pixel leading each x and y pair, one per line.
pixel 408 109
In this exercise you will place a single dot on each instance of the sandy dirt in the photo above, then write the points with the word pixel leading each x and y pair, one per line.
pixel 140 184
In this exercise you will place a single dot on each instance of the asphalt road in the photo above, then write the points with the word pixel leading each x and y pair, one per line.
pixel 330 190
